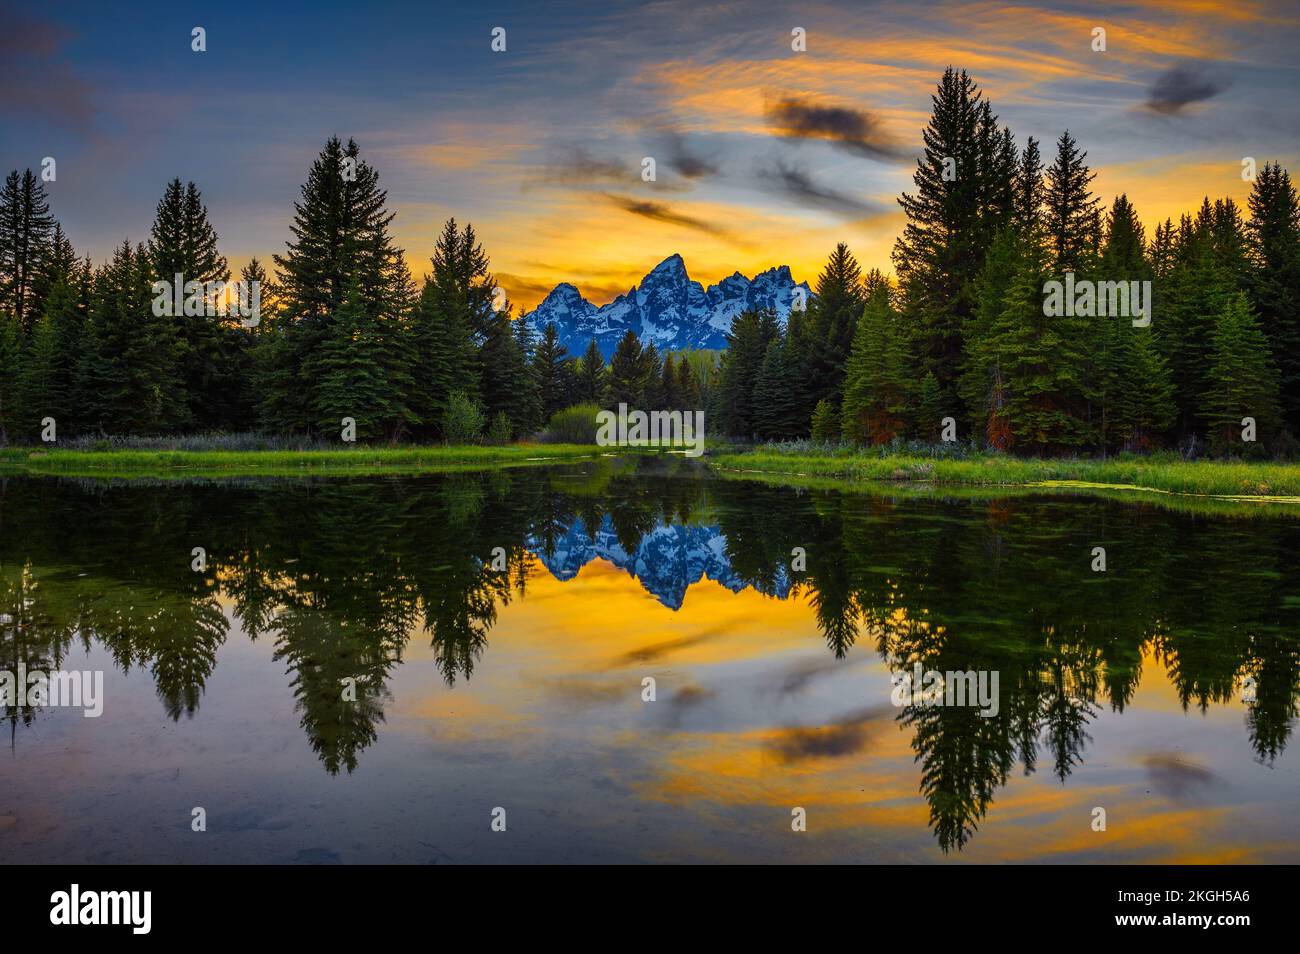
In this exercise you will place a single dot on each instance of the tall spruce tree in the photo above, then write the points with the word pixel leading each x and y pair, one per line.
pixel 592 385
pixel 831 320
pixel 747 342
pixel 549 360
pixel 1073 214
pixel 354 376
pixel 183 242
pixel 878 384
pixel 1274 250
pixel 1241 380
pixel 26 246
pixel 627 372
pixel 340 238
pixel 960 197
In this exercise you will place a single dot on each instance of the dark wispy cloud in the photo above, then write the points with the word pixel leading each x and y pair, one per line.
pixel 682 159
pixel 36 82
pixel 578 166
pixel 795 182
pixel 853 130
pixel 663 212
pixel 1181 86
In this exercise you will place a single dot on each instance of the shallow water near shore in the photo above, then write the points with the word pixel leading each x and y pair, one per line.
pixel 366 669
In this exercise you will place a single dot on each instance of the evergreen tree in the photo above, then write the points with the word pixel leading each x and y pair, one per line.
pixel 549 360
pixel 183 242
pixel 506 384
pixel 877 385
pixel 1073 217
pixel 128 375
pixel 832 318
pixel 1274 249
pixel 340 238
pixel 825 423
pixel 1037 402
pixel 652 396
pixel 951 221
pixel 747 341
pixel 353 377
pixel 10 365
pixel 446 358
pixel 1242 381
pixel 687 389
pixel 668 384
pixel 776 410
pixel 626 372
pixel 26 246
pixel 592 385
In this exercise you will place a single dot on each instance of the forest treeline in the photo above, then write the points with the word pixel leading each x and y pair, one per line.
pixel 346 331
pixel 962 333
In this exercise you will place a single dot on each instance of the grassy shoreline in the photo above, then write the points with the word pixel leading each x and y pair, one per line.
pixel 1159 475
pixel 1270 482
pixel 278 463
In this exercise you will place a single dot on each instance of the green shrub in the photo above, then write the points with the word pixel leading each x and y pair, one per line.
pixel 825 424
pixel 499 432
pixel 573 425
pixel 462 421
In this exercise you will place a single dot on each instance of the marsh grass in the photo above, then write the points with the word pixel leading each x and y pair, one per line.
pixel 1160 473
pixel 360 460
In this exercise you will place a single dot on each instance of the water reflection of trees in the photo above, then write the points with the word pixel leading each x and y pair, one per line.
pixel 339 575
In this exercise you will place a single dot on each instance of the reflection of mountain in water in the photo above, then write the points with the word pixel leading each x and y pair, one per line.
pixel 669 559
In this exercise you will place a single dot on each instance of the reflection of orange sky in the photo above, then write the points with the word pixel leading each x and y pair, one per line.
pixel 580 649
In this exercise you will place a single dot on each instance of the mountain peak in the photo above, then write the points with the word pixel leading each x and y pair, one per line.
pixel 666 309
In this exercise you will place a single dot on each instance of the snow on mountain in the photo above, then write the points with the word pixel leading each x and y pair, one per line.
pixel 666 308
pixel 667 561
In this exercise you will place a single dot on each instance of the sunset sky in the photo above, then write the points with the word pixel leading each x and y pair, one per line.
pixel 764 155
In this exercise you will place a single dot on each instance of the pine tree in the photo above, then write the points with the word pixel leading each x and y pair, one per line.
pixel 446 358
pixel 825 423
pixel 668 384
pixel 10 365
pixel 1242 381
pixel 26 246
pixel 652 396
pixel 128 374
pixel 776 410
pixel 340 238
pixel 592 385
pixel 1274 250
pixel 832 318
pixel 747 341
pixel 1038 396
pixel 1073 217
pixel 507 385
pixel 950 224
pixel 688 387
pixel 549 361
pixel 352 379
pixel 877 385
pixel 183 242
pixel 626 372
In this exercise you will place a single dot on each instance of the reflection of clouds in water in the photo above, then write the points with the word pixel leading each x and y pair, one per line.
pixel 847 735
pixel 1175 778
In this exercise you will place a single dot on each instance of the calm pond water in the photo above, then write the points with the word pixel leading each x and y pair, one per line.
pixel 499 627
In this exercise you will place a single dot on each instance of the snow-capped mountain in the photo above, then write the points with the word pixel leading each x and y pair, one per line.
pixel 667 309
pixel 668 560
